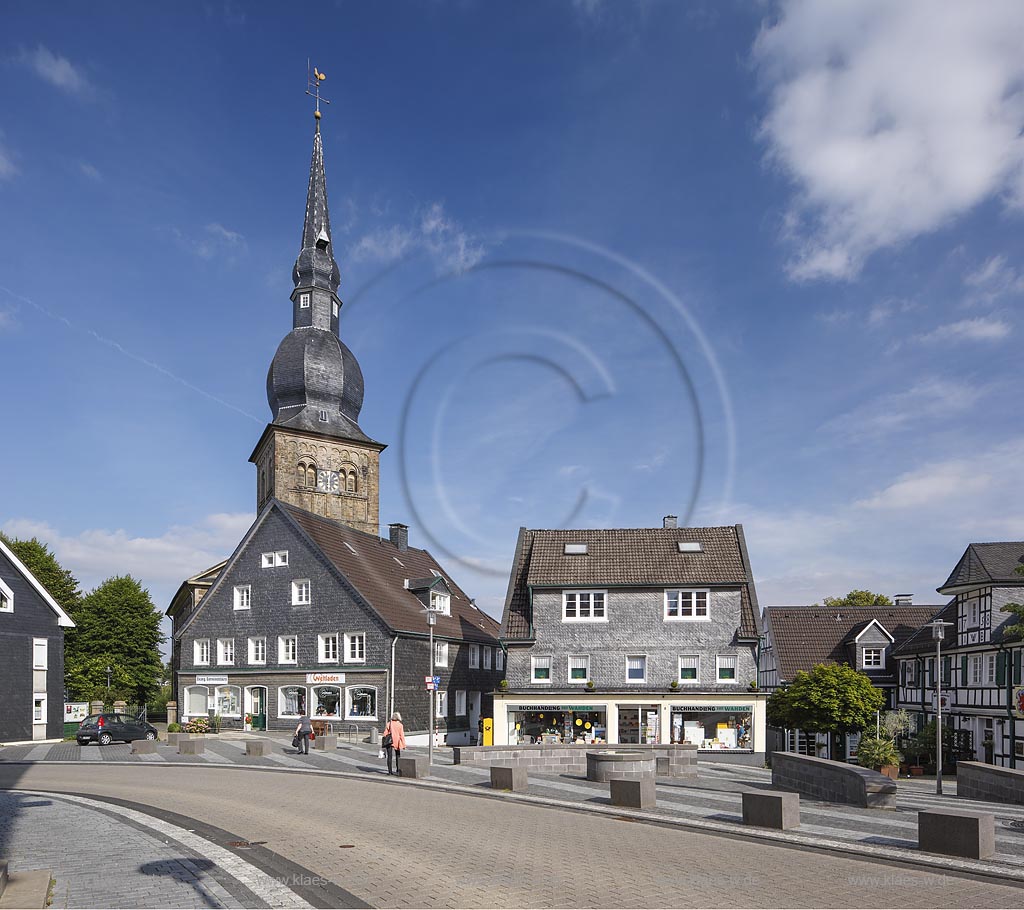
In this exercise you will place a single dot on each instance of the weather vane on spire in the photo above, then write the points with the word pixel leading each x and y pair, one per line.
pixel 313 82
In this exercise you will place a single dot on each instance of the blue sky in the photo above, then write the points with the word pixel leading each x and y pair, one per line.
pixel 602 262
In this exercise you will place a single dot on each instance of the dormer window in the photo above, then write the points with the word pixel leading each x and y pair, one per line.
pixel 304 301
pixel 334 309
pixel 440 603
pixel 872 659
pixel 323 415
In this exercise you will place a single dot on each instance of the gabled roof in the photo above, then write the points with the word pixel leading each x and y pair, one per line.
pixel 636 557
pixel 986 564
pixel 803 637
pixel 922 639
pixel 204 579
pixel 62 618
pixel 424 584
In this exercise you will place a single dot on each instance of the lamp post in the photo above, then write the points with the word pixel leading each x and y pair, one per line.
pixel 431 620
pixel 109 671
pixel 938 633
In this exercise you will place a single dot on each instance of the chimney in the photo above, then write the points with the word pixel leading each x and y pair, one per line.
pixel 903 600
pixel 670 521
pixel 399 535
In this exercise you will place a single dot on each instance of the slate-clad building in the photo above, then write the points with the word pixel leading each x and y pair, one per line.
pixel 32 628
pixel 314 611
pixel 982 667
pixel 799 638
pixel 633 635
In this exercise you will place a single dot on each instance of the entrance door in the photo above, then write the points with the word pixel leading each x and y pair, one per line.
pixel 39 715
pixel 629 725
pixel 473 699
pixel 256 707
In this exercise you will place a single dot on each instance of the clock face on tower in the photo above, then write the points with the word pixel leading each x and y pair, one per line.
pixel 328 482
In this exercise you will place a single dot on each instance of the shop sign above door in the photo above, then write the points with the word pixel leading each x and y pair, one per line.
pixel 325 677
pixel 215 680
pixel 714 709
pixel 556 707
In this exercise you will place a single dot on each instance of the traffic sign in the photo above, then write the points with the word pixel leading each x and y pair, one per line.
pixel 429 679
pixel 430 685
pixel 437 680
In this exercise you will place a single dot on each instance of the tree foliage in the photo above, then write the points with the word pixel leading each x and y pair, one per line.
pixel 860 598
pixel 831 698
pixel 876 752
pixel 40 561
pixel 119 627
pixel 1015 629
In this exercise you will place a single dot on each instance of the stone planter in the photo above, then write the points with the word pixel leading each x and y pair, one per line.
pixel 608 765
pixel 916 770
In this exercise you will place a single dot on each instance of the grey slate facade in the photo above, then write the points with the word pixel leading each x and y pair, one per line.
pixel 31 655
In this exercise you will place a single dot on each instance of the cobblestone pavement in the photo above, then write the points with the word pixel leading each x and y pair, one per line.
pixel 108 856
pixel 394 843
pixel 714 799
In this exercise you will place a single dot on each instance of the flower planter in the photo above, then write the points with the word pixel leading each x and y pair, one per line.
pixel 916 770
pixel 890 771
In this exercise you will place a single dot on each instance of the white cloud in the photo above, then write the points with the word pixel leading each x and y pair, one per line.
pixel 433 232
pixel 214 241
pixel 904 536
pixel 984 328
pixel 993 280
pixel 161 563
pixel 90 171
pixel 57 70
pixel 926 402
pixel 892 120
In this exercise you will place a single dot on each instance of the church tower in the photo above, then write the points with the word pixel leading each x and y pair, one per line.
pixel 313 454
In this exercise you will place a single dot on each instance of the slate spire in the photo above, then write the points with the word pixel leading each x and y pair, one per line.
pixel 315 266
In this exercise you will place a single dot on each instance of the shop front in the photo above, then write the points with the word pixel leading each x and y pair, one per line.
pixel 713 727
pixel 531 724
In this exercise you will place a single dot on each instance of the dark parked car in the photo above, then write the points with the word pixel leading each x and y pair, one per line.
pixel 105 728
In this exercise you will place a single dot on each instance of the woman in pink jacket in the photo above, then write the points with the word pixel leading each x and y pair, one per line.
pixel 396 731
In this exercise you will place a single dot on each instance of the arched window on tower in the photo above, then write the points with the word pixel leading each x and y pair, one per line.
pixel 350 482
pixel 301 474
pixel 311 475
pixel 263 485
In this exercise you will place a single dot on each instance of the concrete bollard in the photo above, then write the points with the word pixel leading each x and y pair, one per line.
pixel 174 738
pixel 374 736
pixel 506 777
pixel 326 743
pixel 191 747
pixel 412 766
pixel 257 747
pixel 144 746
pixel 954 832
pixel 638 793
pixel 772 810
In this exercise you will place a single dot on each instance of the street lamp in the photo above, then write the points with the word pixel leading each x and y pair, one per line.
pixel 109 671
pixel 938 633
pixel 431 621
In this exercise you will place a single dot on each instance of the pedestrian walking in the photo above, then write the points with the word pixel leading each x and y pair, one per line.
pixel 393 740
pixel 303 731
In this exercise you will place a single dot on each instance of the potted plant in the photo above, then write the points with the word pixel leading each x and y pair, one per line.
pixel 752 685
pixel 879 753
pixel 503 685
pixel 674 685
pixel 590 685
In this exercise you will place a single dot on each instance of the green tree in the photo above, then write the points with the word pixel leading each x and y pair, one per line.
pixel 1015 629
pixel 858 599
pixel 40 561
pixel 119 627
pixel 831 698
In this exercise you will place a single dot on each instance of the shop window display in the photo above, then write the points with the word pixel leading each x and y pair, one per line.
pixel 228 701
pixel 362 702
pixel 558 726
pixel 326 700
pixel 291 701
pixel 714 728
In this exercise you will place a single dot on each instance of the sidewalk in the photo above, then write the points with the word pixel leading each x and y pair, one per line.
pixel 712 802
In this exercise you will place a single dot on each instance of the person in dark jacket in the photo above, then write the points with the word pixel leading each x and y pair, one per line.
pixel 303 731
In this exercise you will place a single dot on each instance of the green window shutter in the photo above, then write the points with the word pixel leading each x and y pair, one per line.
pixel 963 669
pixel 947 665
pixel 903 672
pixel 1001 668
pixel 1016 667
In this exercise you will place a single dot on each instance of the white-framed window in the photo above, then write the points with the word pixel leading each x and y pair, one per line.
pixel 499 659
pixel 442 704
pixel 361 702
pixel 441 602
pixel 911 666
pixel 287 649
pixel 540 669
pixel 304 301
pixel 440 654
pixel 990 669
pixel 227 701
pixel 6 598
pixel 487 657
pixel 323 415
pixel 636 668
pixel 355 648
pixel 326 701
pixel 201 652
pixel 584 606
pixel 688 605
pixel 39 708
pixel 460 702
pixel 39 647
pixel 327 647
pixel 291 701
pixel 975 665
pixel 243 597
pixel 873 658
pixel 257 650
pixel 579 668
pixel 300 591
pixel 334 308
pixel 225 650
pixel 197 701
pixel 474 657
pixel 725 668
pixel 689 669
pixel 277 558
pixel 972 613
